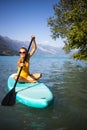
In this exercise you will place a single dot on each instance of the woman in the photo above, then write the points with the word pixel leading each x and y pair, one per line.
pixel 25 75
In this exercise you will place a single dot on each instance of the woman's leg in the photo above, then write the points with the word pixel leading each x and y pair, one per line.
pixel 31 78
pixel 21 79
pixel 34 77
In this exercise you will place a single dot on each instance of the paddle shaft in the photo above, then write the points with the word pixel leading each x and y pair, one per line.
pixel 10 98
pixel 23 62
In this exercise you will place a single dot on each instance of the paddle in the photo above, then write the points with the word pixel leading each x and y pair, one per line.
pixel 10 98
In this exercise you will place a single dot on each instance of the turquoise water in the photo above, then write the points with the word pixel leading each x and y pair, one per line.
pixel 66 79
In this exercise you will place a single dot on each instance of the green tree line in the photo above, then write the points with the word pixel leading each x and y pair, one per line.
pixel 70 22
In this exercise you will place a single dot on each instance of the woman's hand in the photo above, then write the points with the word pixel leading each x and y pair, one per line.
pixel 22 64
pixel 32 37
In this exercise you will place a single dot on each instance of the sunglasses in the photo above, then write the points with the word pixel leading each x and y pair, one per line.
pixel 22 52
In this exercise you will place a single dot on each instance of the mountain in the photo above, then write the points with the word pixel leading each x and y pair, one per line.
pixel 5 48
pixel 11 47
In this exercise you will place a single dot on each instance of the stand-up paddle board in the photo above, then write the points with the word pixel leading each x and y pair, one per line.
pixel 36 95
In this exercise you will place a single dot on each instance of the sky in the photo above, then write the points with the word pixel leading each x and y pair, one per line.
pixel 19 19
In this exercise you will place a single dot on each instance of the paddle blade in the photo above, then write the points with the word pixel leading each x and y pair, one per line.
pixel 9 99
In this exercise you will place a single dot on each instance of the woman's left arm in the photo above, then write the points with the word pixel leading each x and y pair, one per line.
pixel 34 47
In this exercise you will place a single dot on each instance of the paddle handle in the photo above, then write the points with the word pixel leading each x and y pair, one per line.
pixel 23 62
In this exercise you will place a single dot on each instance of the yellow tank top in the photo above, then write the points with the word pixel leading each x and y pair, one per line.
pixel 25 70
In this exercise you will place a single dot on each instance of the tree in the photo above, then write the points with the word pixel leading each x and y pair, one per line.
pixel 70 22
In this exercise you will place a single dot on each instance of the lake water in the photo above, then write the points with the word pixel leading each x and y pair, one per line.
pixel 66 78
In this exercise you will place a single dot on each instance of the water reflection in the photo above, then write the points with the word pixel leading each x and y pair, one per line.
pixel 70 94
pixel 66 79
